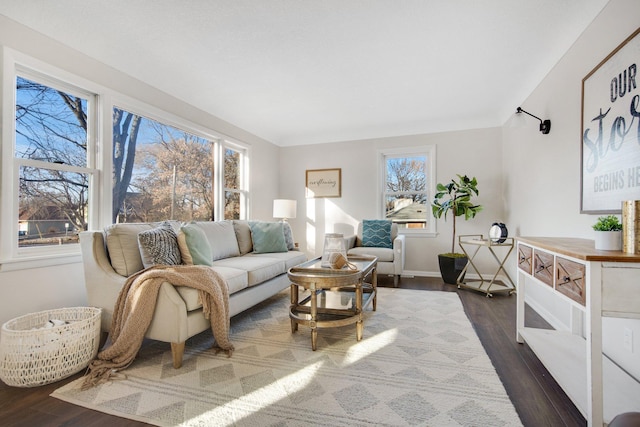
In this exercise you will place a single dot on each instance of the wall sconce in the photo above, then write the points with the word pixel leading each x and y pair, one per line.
pixel 545 125
pixel 285 209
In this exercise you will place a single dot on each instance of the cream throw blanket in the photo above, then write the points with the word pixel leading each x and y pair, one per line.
pixel 135 306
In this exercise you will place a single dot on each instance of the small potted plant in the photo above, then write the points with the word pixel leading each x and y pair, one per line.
pixel 608 234
pixel 455 198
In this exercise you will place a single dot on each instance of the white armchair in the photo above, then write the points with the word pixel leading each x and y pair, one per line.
pixel 390 260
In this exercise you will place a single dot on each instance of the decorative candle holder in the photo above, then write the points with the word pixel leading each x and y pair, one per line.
pixel 333 242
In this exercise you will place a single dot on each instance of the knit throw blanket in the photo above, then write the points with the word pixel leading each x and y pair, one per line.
pixel 134 310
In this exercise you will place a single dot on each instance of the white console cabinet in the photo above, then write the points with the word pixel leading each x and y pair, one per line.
pixel 595 284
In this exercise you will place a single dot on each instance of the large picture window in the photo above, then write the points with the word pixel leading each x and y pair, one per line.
pixel 74 158
pixel 162 172
pixel 407 181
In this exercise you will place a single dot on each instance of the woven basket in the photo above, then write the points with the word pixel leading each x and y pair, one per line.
pixel 31 355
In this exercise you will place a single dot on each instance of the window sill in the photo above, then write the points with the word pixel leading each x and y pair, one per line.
pixel 39 262
pixel 418 233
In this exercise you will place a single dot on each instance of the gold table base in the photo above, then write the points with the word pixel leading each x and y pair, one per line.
pixel 335 297
pixel 487 286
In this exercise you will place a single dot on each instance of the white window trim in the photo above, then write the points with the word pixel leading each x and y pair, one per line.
pixel 15 63
pixel 423 150
pixel 245 199
pixel 99 159
pixel 220 141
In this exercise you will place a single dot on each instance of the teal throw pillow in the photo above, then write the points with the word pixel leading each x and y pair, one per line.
pixel 194 245
pixel 268 237
pixel 376 233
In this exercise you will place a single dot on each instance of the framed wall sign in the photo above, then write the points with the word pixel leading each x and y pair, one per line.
pixel 611 130
pixel 324 183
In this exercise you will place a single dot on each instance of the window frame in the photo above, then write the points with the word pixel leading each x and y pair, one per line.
pixel 14 65
pixel 429 152
pixel 99 156
pixel 219 142
pixel 243 191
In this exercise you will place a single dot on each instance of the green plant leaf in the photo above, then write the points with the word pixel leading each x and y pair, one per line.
pixel 455 197
pixel 607 223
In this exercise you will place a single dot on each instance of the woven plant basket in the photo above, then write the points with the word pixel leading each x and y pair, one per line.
pixel 31 355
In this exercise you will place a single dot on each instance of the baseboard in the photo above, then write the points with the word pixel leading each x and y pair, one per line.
pixel 417 273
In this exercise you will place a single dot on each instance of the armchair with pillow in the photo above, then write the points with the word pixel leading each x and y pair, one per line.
pixel 380 238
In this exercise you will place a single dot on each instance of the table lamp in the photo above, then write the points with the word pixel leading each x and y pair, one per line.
pixel 284 209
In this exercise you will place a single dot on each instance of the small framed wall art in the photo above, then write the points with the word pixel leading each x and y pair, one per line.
pixel 610 139
pixel 324 183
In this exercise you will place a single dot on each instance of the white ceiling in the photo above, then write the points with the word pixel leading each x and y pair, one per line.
pixel 309 71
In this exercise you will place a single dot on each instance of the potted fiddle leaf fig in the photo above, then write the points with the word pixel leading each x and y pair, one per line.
pixel 455 198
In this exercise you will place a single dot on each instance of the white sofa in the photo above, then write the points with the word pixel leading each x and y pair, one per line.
pixel 390 260
pixel 110 256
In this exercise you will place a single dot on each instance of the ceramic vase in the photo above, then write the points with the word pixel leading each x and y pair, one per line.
pixel 608 240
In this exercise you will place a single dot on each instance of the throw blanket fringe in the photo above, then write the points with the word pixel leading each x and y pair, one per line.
pixel 134 310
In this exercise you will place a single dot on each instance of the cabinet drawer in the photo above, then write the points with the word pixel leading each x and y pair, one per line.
pixel 570 279
pixel 524 258
pixel 543 266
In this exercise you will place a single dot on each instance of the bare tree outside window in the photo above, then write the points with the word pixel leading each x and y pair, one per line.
pixel 51 149
pixel 405 195
pixel 171 176
pixel 52 142
pixel 232 189
pixel 126 127
pixel 159 171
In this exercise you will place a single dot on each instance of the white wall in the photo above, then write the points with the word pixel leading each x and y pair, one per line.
pixel 26 291
pixel 542 172
pixel 530 180
pixel 472 152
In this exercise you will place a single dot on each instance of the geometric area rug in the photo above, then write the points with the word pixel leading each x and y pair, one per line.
pixel 420 363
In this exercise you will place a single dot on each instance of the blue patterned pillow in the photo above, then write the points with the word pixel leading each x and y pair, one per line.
pixel 376 233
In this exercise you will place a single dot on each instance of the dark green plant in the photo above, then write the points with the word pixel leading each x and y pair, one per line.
pixel 455 197
pixel 607 223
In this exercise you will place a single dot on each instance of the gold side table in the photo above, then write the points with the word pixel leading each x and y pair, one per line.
pixel 471 245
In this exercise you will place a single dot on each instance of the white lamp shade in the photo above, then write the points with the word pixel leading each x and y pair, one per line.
pixel 283 208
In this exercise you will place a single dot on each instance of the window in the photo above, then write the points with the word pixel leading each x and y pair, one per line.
pixel 235 194
pixel 407 182
pixel 163 172
pixel 52 159
pixel 67 166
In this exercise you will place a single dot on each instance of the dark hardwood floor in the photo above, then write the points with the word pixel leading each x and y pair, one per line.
pixel 536 396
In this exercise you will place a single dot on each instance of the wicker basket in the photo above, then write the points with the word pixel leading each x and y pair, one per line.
pixel 31 355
